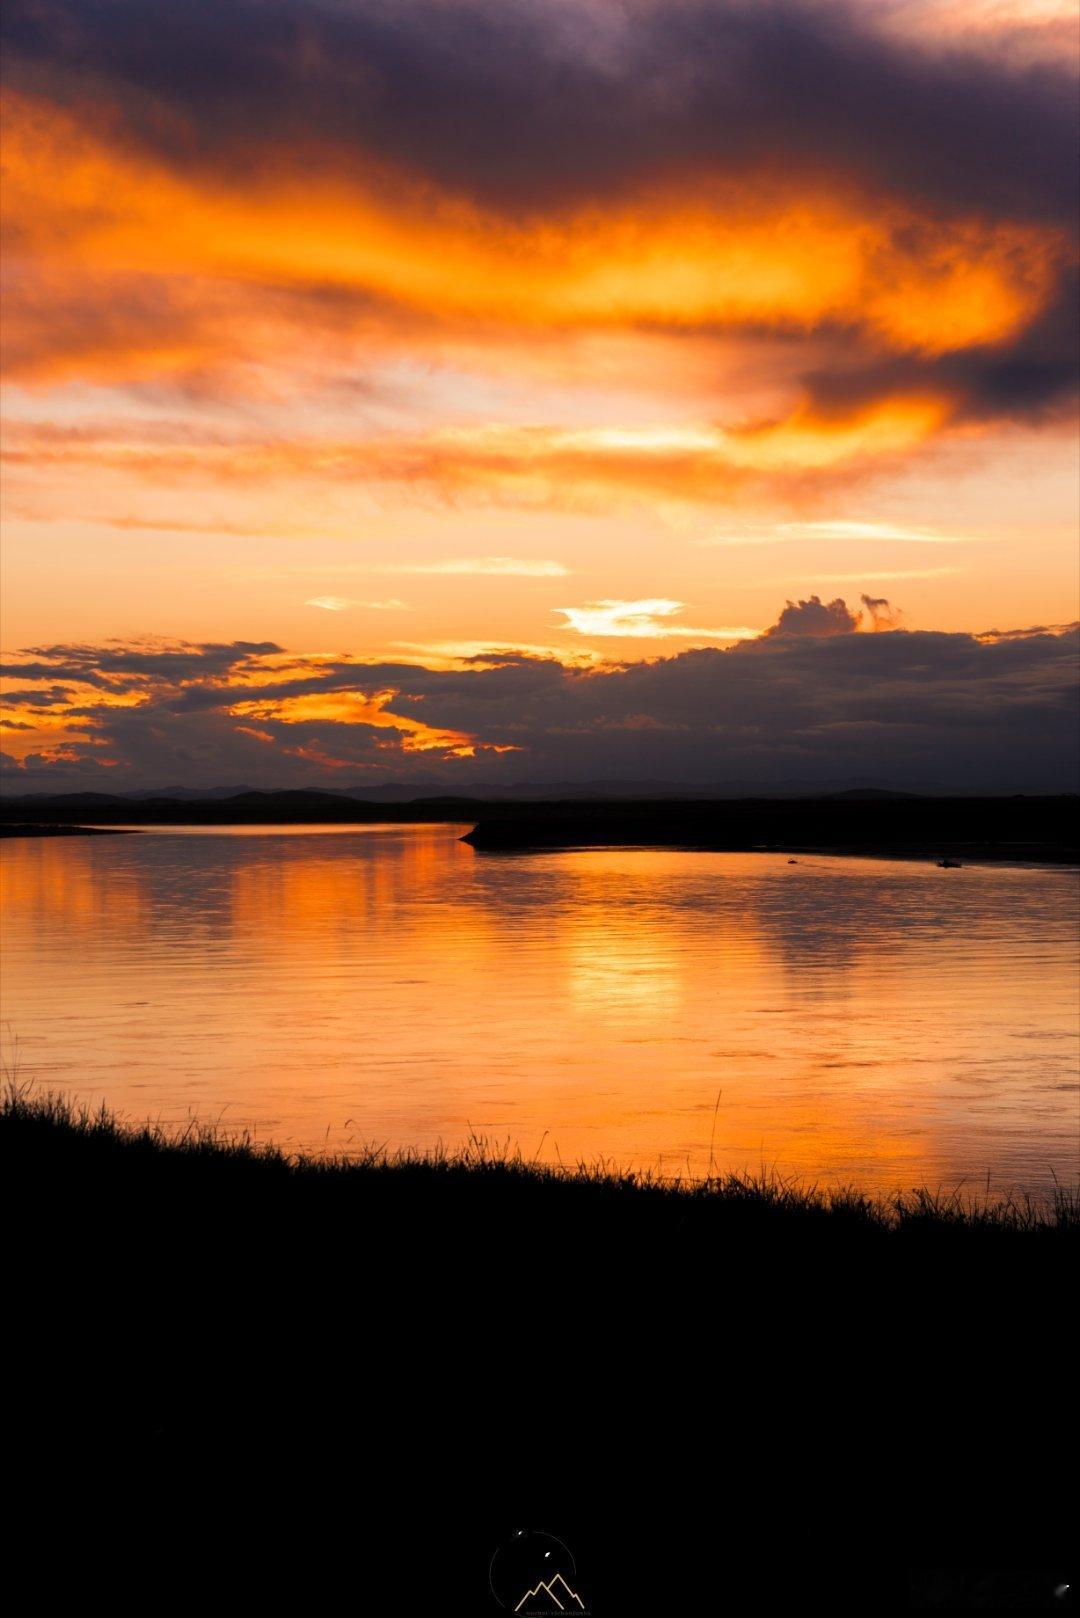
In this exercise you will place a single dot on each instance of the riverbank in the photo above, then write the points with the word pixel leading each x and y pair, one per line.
pixel 736 1396
pixel 59 1136
pixel 15 828
pixel 898 826
pixel 1041 830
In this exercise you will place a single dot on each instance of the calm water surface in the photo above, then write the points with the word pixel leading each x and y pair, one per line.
pixel 865 1020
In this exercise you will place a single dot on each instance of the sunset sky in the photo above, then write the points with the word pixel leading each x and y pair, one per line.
pixel 459 391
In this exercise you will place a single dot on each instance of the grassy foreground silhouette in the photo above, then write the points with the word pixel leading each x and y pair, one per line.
pixel 62 1136
pixel 739 1396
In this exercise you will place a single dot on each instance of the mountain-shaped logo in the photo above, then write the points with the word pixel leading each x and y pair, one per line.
pixel 553 1596
pixel 534 1572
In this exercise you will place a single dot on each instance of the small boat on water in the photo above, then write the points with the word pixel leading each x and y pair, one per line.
pixel 949 865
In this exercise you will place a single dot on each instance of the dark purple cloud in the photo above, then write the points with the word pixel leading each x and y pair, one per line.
pixel 910 708
pixel 526 108
pixel 814 617
pixel 1029 377
pixel 522 105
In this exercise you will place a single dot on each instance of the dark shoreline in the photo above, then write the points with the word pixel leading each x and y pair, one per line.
pixel 1040 830
pixel 1033 854
pixel 81 1139
pixel 243 809
pixel 991 829
pixel 32 828
pixel 380 1371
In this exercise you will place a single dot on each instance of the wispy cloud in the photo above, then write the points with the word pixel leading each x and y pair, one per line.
pixel 845 529
pixel 643 620
pixel 442 652
pixel 343 603
pixel 787 533
pixel 542 466
pixel 339 572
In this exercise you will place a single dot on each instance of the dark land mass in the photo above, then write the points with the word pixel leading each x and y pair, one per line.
pixel 857 822
pixel 305 1383
pixel 515 791
pixel 34 828
pixel 243 809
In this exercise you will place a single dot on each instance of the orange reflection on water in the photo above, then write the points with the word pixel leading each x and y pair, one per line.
pixel 870 1021
pixel 68 890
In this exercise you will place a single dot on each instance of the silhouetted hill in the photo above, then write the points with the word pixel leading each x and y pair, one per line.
pixel 18 828
pixel 243 808
pixel 494 792
pixel 854 823
pixel 860 821
pixel 868 795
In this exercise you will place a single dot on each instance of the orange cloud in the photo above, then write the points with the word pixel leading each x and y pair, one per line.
pixel 526 466
pixel 758 251
pixel 357 708
pixel 48 711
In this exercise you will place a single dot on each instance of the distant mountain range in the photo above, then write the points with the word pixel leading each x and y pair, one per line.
pixel 854 820
pixel 479 791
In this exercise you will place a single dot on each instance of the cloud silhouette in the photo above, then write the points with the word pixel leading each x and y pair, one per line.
pixel 883 615
pixel 911 708
pixel 522 107
pixel 813 617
